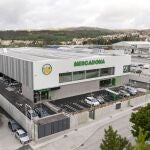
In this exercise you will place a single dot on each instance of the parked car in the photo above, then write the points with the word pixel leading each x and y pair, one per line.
pixel 133 65
pixel 22 136
pixel 41 112
pixel 146 66
pixel 131 90
pixel 13 84
pixel 138 71
pixel 100 99
pixel 91 101
pixel 124 93
pixel 140 65
pixel 13 125
pixel 31 114
pixel 133 70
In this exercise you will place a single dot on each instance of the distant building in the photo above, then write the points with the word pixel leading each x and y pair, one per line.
pixel 132 46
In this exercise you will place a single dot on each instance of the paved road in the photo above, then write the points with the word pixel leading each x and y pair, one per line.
pixel 90 135
pixel 7 138
pixel 121 124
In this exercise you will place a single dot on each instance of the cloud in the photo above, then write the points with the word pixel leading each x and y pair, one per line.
pixel 46 14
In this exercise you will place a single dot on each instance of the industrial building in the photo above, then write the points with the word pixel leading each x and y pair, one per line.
pixel 132 46
pixel 45 75
pixel 50 74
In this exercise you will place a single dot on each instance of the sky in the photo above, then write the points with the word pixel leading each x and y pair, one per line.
pixel 55 14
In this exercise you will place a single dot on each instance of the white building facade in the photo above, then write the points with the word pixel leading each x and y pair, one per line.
pixel 50 74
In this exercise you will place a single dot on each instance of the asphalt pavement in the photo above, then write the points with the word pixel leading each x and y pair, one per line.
pixel 140 60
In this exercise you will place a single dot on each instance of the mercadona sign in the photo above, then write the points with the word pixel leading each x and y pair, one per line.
pixel 89 62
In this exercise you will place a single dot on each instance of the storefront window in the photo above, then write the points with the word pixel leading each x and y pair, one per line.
pixel 78 75
pixel 92 73
pixel 65 77
pixel 107 71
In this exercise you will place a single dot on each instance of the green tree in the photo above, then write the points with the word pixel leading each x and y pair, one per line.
pixel 140 141
pixel 113 141
pixel 141 119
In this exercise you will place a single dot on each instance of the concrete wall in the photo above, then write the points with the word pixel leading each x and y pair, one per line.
pixel 108 111
pixel 78 119
pixel 140 78
pixel 27 92
pixel 75 89
pixel 122 80
pixel 139 100
pixel 17 115
pixel 139 84
pixel 84 87
pixel 111 109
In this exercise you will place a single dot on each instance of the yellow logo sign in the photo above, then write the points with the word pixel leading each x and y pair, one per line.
pixel 47 69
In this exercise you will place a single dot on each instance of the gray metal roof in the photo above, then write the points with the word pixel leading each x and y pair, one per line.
pixel 132 43
pixel 41 54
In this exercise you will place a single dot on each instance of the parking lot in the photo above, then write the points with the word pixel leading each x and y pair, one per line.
pixel 11 84
pixel 71 106
pixel 13 96
pixel 77 104
pixel 8 140
pixel 138 62
pixel 138 69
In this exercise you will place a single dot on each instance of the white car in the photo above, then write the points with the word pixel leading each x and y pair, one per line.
pixel 100 99
pixel 22 136
pixel 131 90
pixel 124 93
pixel 134 65
pixel 92 101
pixel 31 114
pixel 146 66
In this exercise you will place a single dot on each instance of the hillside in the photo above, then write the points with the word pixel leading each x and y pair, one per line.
pixel 63 34
pixel 54 37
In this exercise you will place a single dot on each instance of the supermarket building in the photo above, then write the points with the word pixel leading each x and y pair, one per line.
pixel 50 74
